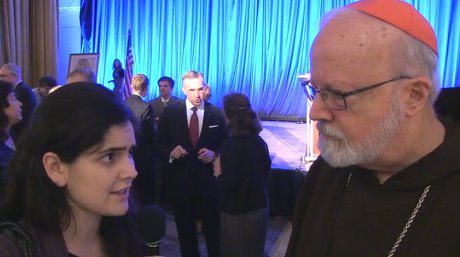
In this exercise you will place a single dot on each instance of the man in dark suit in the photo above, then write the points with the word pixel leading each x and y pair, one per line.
pixel 165 85
pixel 189 135
pixel 144 159
pixel 12 73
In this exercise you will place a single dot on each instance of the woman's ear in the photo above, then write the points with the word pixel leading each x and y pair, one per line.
pixel 55 169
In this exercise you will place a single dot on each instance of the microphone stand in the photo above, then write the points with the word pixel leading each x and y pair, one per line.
pixel 310 154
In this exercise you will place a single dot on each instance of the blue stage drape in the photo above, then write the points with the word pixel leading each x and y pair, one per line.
pixel 254 47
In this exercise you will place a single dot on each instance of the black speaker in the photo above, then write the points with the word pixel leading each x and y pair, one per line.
pixel 448 103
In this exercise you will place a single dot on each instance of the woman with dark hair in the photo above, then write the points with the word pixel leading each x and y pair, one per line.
pixel 118 76
pixel 71 176
pixel 242 171
pixel 10 114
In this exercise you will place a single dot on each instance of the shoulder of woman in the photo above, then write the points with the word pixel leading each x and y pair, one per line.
pixel 8 247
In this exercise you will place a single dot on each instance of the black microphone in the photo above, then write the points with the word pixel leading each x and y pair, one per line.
pixel 151 222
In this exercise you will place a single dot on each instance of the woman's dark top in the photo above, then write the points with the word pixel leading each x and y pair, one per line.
pixel 6 153
pixel 246 164
pixel 50 244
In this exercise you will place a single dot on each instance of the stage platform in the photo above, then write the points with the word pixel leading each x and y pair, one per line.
pixel 287 145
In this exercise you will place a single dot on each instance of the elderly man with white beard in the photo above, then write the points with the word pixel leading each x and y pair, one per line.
pixel 387 182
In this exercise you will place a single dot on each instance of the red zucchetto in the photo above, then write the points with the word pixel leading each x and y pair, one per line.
pixel 401 15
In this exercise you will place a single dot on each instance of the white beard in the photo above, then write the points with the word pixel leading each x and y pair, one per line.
pixel 338 151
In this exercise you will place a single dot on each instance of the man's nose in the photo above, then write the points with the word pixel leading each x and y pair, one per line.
pixel 319 110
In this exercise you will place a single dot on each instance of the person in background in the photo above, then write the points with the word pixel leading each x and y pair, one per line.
pixel 387 181
pixel 189 134
pixel 165 85
pixel 10 114
pixel 45 84
pixel 118 75
pixel 81 75
pixel 11 72
pixel 242 170
pixel 144 157
pixel 71 176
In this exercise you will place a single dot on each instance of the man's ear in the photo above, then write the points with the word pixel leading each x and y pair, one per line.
pixel 55 169
pixel 418 94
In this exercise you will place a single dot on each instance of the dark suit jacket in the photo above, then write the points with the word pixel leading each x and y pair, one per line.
pixel 25 95
pixel 157 104
pixel 142 111
pixel 144 156
pixel 188 176
pixel 6 153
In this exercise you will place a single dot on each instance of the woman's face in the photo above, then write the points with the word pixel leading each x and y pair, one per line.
pixel 98 183
pixel 117 63
pixel 14 110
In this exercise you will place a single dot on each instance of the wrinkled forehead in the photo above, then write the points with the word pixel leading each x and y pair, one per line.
pixel 353 43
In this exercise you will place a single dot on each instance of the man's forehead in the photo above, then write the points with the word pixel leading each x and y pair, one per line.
pixel 192 79
pixel 195 87
pixel 359 35
pixel 342 56
pixel 196 82
pixel 349 24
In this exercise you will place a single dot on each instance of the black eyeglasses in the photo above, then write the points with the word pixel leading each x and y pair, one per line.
pixel 335 99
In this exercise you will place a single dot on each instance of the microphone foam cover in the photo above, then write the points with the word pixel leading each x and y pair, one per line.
pixel 151 221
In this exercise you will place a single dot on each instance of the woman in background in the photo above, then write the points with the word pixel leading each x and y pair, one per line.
pixel 118 76
pixel 70 178
pixel 242 171
pixel 10 114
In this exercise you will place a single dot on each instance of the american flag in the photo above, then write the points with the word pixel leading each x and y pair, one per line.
pixel 129 68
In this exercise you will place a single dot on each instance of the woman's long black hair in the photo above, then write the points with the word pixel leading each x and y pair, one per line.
pixel 70 121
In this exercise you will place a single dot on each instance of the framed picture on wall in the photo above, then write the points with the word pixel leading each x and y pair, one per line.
pixel 89 61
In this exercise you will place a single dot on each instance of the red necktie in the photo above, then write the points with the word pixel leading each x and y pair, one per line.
pixel 193 127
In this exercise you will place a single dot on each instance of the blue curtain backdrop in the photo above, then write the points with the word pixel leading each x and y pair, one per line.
pixel 254 47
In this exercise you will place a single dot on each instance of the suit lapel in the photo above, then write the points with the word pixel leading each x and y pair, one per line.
pixel 207 121
pixel 159 105
pixel 184 124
